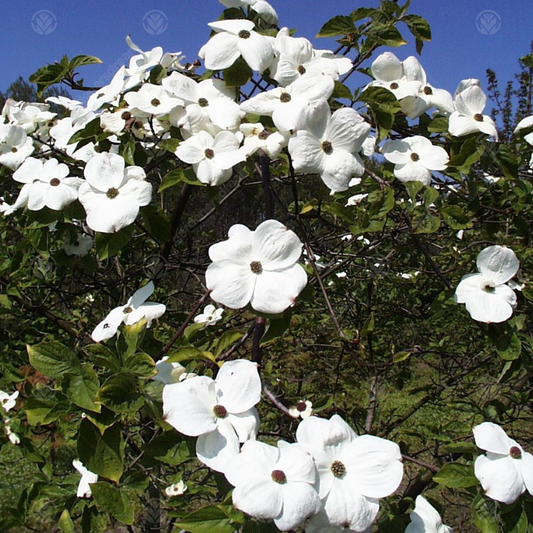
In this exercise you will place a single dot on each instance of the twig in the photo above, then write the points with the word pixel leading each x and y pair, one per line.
pixel 270 395
pixel 259 331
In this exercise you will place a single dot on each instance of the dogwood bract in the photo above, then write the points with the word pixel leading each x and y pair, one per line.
pixel 487 296
pixel 135 309
pixel 87 477
pixel 235 38
pixel 414 158
pixel 257 267
pixel 274 483
pixel 506 470
pixel 327 144
pixel 113 193
pixel 426 519
pixel 219 412
pixel 354 471
pixel 210 316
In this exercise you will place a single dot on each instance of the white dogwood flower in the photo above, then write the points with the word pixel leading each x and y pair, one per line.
pixel 426 519
pixel 113 193
pixel 49 184
pixel 8 401
pixel 210 316
pixel 506 470
pixel 468 117
pixel 354 471
pixel 303 409
pixel 87 477
pixel 257 267
pixel 212 158
pixel 487 296
pixel 274 483
pixel 15 146
pixel 176 489
pixel 236 38
pixel 414 158
pixel 136 309
pixel 219 412
pixel 168 373
pixel 328 144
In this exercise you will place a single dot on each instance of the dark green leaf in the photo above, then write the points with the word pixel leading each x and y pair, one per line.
pixel 339 25
pixel 207 520
pixel 101 454
pixel 484 515
pixel 238 74
pixel 171 448
pixel 119 393
pixel 109 244
pixel 81 387
pixel 53 359
pixel 114 501
pixel 455 475
pixel 157 223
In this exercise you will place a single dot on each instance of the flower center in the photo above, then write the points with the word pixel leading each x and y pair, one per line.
pixel 54 182
pixel 263 135
pixel 256 267
pixel 327 148
pixel 209 154
pixel 415 156
pixel 394 85
pixel 244 34
pixel 338 469
pixel 127 310
pixel 488 286
pixel 126 115
pixel 301 69
pixel 202 102
pixel 478 117
pixel 301 407
pixel 112 193
pixel 155 102
pixel 285 97
pixel 279 476
pixel 14 150
pixel 515 452
pixel 428 90
pixel 220 411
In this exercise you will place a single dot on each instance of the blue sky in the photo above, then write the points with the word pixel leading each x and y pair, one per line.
pixel 458 50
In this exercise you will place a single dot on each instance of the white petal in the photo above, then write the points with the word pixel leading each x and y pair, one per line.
pixel 188 405
pixel 216 448
pixel 300 500
pixel 275 291
pixel 498 264
pixel 231 284
pixel 499 477
pixel 236 248
pixel 105 171
pixel 238 385
pixel 492 438
pixel 221 51
pixel 245 424
pixel 276 246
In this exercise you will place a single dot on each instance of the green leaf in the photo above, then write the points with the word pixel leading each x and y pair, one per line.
pixel 515 521
pixel 119 393
pixel 276 328
pixel 368 326
pixel 380 98
pixel 53 359
pixel 88 133
pixel 413 188
pixel 484 515
pixel 455 475
pixel 189 353
pixel 339 25
pixel 426 224
pixel 131 337
pixel 127 149
pixel 157 223
pixel 141 365
pixel 66 525
pixel 170 448
pixel 101 454
pixel 438 125
pixel 81 387
pixel 341 91
pixel 226 340
pixel 173 178
pixel 116 502
pixel 48 75
pixel 80 61
pixel 238 74
pixel 169 145
pixel 45 406
pixel 509 347
pixel 102 356
pixel 388 35
pixel 470 152
pixel 207 520
pixel 109 244
pixel 418 26
pixel 361 13
pixel 455 217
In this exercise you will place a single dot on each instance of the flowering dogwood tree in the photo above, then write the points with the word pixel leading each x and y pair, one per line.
pixel 333 205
